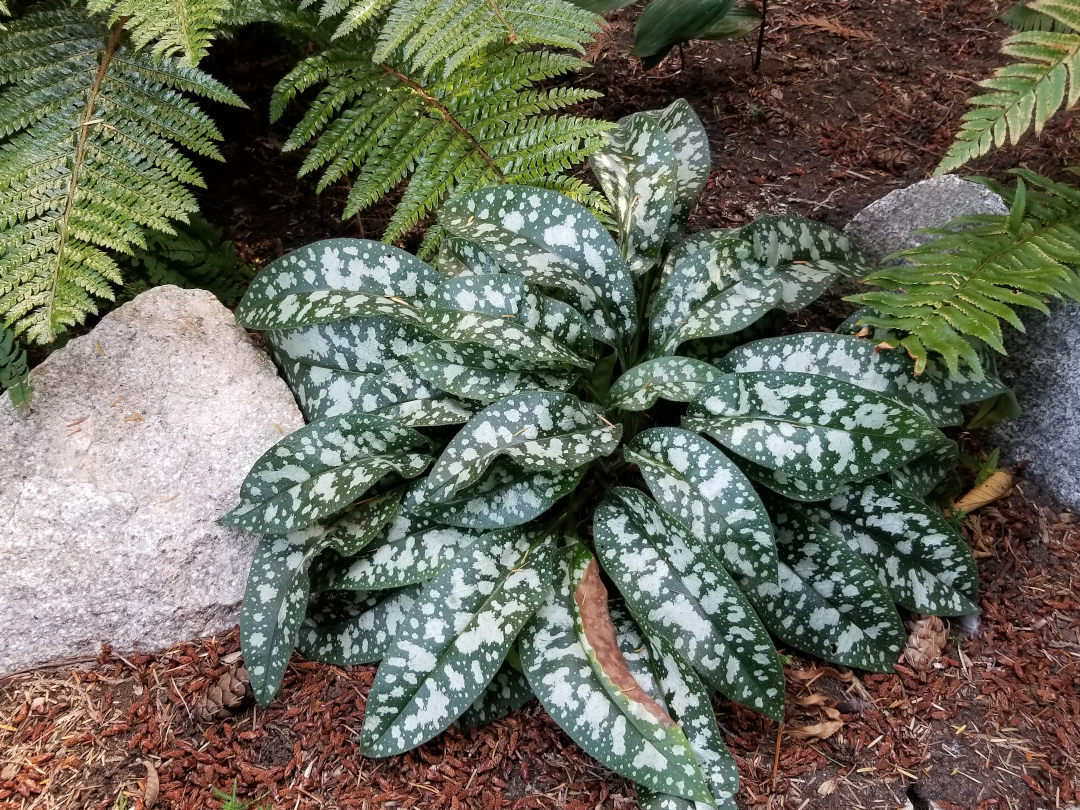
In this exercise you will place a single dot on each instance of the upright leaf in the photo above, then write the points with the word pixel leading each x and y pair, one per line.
pixel 693 160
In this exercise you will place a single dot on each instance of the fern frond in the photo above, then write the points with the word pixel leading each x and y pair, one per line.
pixel 94 159
pixel 966 282
pixel 1022 18
pixel 174 27
pixel 1028 92
pixel 484 124
pixel 14 374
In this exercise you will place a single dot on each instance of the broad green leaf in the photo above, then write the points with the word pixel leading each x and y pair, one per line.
pixel 357 631
pixel 717 290
pixel 809 427
pixel 679 379
pixel 920 558
pixel 703 489
pixel 478 372
pixel 460 257
pixel 325 306
pixel 713 350
pixel 829 601
pixel 364 345
pixel 666 23
pixel 321 468
pixel 402 394
pixel 333 268
pixel 505 334
pixel 693 158
pixel 638 171
pixel 506 496
pixel 922 476
pixel 540 432
pixel 450 648
pixel 571 657
pixel 508 691
pixel 853 360
pixel 677 588
pixel 692 244
pixel 552 241
pixel 321 392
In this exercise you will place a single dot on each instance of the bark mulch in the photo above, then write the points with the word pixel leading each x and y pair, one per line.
pixel 993 725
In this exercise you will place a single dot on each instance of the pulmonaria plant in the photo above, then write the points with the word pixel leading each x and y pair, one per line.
pixel 585 468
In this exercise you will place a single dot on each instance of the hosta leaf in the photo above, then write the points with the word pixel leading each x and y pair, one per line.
pixel 717 290
pixel 332 266
pixel 829 602
pixel 853 360
pixel 571 657
pixel 356 631
pixel 638 172
pixel 321 392
pixel 554 242
pixel 677 588
pixel 925 564
pixel 699 486
pixel 809 427
pixel 693 160
pixel 508 691
pixel 674 378
pixel 539 431
pixel 400 393
pixel 922 476
pixel 364 345
pixel 506 496
pixel 321 468
pixel 449 649
pixel 479 372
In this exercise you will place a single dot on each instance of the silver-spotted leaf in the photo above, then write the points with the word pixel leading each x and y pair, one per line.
pixel 348 632
pixel 456 638
pixel 551 241
pixel 690 141
pixel 829 601
pixel 482 373
pixel 925 474
pixel 402 394
pixel 321 392
pixel 677 588
pixel 679 379
pixel 363 345
pixel 541 431
pixel 460 257
pixel 508 691
pixel 505 334
pixel 703 489
pixel 571 657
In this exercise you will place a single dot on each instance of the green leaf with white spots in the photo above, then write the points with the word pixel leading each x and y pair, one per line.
pixel 478 372
pixel 918 555
pixel 922 476
pixel 402 394
pixel 810 427
pixel 571 657
pixel 694 482
pixel 325 306
pixel 713 350
pixel 552 241
pixel 718 290
pixel 505 334
pixel 358 630
pixel 321 392
pixel 456 638
pixel 333 268
pixel 678 379
pixel 540 432
pixel 677 588
pixel 692 244
pixel 829 601
pixel 508 691
pixel 321 468
pixel 506 496
pixel 363 345
pixel 638 171
pixel 410 549
pixel 693 162
pixel 461 257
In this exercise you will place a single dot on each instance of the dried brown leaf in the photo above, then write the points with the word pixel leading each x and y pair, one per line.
pixel 818 731
pixel 832 27
pixel 153 785
pixel 994 488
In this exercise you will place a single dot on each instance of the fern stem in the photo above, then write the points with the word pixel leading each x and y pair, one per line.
pixel 446 114
pixel 76 167
pixel 513 37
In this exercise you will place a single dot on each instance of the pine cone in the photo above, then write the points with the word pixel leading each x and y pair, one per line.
pixel 898 66
pixel 892 159
pixel 218 701
pixel 777 122
pixel 926 640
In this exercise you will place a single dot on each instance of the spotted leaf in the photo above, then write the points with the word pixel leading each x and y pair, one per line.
pixel 829 601
pixel 504 334
pixel 705 491
pixel 571 657
pixel 403 395
pixel 638 172
pixel 806 427
pixel 482 373
pixel 542 431
pixel 355 628
pixel 677 588
pixel 688 138
pixel 925 564
pixel 508 691
pixel 456 638
pixel 320 277
pixel 679 379
pixel 321 392
pixel 506 496
pixel 461 257
pixel 321 468
pixel 363 345
pixel 554 242
pixel 919 478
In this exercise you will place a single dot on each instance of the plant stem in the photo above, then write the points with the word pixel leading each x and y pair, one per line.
pixel 761 34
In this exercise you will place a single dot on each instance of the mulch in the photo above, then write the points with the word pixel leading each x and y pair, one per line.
pixel 994 724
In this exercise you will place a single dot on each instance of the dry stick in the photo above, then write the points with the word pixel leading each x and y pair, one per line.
pixel 761 34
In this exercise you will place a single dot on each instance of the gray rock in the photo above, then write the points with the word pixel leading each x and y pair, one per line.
pixel 1043 368
pixel 890 224
pixel 140 435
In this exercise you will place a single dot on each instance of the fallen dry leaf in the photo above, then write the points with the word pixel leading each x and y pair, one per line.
pixel 828 787
pixel 926 640
pixel 153 785
pixel 994 488
pixel 809 675
pixel 818 731
pixel 832 27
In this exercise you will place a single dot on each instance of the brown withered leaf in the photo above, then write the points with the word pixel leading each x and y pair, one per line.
pixel 828 787
pixel 832 27
pixel 994 488
pixel 153 786
pixel 818 731
pixel 926 639
pixel 810 675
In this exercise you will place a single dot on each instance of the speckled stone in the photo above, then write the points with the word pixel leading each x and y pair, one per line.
pixel 140 435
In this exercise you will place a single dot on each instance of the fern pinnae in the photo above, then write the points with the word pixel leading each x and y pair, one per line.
pixel 177 27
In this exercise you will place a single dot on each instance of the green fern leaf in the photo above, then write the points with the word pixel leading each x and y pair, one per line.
pixel 1022 18
pixel 485 124
pixel 92 160
pixel 965 282
pixel 14 374
pixel 1026 93
pixel 174 28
